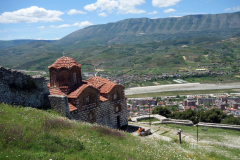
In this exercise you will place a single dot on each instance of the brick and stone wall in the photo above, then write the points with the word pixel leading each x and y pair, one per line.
pixel 60 105
pixel 22 89
pixel 103 114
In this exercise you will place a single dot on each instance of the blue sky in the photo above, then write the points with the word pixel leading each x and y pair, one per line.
pixel 54 19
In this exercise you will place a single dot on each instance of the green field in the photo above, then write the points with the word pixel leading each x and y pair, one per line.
pixel 152 119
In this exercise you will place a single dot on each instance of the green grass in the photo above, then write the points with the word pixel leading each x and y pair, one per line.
pixel 28 133
pixel 172 93
pixel 212 134
pixel 147 120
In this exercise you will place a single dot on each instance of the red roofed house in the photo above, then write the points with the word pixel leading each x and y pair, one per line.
pixel 94 100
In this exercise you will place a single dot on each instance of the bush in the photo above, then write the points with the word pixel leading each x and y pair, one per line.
pixel 163 111
pixel 230 119
pixel 49 124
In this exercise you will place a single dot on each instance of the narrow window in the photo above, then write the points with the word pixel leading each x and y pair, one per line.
pixel 88 100
pixel 54 80
pixel 117 109
pixel 115 96
pixel 74 78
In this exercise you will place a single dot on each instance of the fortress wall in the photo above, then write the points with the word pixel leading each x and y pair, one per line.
pixel 21 89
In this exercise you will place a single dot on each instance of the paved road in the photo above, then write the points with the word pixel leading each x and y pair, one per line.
pixel 180 87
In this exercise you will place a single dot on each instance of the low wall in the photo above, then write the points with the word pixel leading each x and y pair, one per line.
pixel 162 120
pixel 218 125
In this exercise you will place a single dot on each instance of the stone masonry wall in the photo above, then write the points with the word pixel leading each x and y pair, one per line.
pixel 60 104
pixel 103 114
pixel 22 89
pixel 123 114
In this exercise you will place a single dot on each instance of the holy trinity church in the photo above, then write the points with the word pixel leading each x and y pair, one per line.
pixel 93 100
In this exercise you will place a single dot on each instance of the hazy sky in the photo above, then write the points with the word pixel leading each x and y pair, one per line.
pixel 54 19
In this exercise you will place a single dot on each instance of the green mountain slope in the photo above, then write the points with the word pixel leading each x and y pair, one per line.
pixel 13 43
pixel 156 56
pixel 142 30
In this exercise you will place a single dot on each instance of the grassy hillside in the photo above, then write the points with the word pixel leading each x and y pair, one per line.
pixel 28 133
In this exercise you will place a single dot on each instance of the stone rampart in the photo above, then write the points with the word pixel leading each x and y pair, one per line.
pixel 21 89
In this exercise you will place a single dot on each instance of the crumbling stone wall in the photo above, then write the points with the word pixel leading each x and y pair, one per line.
pixel 19 88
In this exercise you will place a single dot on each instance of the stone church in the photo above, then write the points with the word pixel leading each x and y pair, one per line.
pixel 95 100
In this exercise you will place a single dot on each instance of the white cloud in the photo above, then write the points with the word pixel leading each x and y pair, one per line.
pixel 227 9
pixel 60 26
pixel 154 12
pixel 169 10
pixel 121 6
pixel 83 24
pixel 41 27
pixel 236 8
pixel 90 7
pixel 233 9
pixel 107 5
pixel 74 11
pixel 57 38
pixel 164 3
pixel 127 6
pixel 102 14
pixel 30 15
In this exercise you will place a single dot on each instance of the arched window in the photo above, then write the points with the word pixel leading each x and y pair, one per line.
pixel 117 109
pixel 54 80
pixel 115 97
pixel 88 100
pixel 74 78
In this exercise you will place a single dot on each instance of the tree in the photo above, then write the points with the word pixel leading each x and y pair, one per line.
pixel 230 119
pixel 164 111
pixel 214 115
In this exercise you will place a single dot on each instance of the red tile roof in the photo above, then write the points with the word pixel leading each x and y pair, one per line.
pixel 78 91
pixel 65 62
pixel 71 107
pixel 104 85
pixel 103 99
pixel 55 91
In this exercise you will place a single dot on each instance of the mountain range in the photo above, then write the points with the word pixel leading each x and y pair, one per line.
pixel 142 30
pixel 133 43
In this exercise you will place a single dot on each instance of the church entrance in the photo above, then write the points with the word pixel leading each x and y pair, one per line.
pixel 118 121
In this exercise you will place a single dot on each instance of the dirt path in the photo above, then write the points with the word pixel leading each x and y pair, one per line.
pixel 162 133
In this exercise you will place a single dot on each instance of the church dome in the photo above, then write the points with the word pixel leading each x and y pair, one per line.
pixel 64 62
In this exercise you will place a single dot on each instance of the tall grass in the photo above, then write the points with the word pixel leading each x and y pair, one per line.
pixel 28 133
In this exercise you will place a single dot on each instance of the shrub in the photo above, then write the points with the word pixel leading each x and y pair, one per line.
pixel 49 124
pixel 107 131
pixel 11 133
